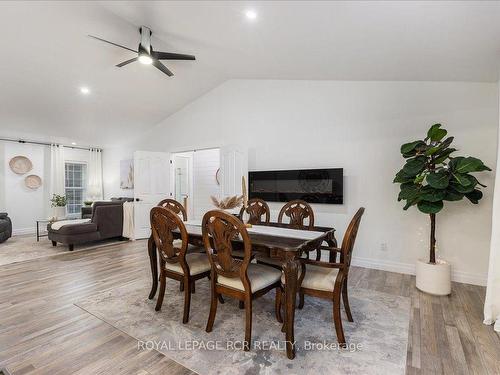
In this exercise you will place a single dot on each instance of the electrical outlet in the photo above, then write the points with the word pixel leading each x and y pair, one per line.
pixel 383 246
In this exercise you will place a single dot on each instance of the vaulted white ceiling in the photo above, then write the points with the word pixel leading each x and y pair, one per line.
pixel 45 55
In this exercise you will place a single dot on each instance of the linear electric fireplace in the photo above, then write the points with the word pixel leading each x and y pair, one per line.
pixel 310 185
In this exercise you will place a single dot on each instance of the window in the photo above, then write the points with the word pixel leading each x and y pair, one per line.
pixel 75 185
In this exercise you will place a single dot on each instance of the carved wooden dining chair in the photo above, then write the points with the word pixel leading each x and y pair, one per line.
pixel 230 276
pixel 258 213
pixel 174 206
pixel 179 209
pixel 175 263
pixel 328 279
pixel 257 210
pixel 298 213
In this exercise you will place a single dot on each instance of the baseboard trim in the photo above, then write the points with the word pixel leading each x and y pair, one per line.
pixel 23 231
pixel 409 269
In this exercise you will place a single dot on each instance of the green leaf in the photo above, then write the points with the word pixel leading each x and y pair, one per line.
pixel 470 164
pixel 454 161
pixel 430 207
pixel 474 196
pixel 441 157
pixel 432 195
pixel 411 202
pixel 465 179
pixel 402 177
pixel 408 191
pixel 461 189
pixel 432 150
pixel 435 133
pixel 414 166
pixel 409 147
pixel 438 180
pixel 452 195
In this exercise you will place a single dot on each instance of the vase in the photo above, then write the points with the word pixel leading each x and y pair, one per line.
pixel 433 278
pixel 59 213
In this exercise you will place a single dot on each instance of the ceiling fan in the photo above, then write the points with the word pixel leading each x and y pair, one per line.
pixel 146 54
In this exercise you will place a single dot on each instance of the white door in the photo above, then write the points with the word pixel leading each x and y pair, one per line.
pixel 233 165
pixel 151 185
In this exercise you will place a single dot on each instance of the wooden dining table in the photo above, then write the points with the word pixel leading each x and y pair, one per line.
pixel 276 240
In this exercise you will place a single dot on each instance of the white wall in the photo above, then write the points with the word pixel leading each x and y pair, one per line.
pixel 358 126
pixel 24 205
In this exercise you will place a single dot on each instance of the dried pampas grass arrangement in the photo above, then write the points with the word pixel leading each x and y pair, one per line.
pixel 227 203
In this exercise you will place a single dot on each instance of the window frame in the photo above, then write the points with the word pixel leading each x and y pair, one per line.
pixel 83 189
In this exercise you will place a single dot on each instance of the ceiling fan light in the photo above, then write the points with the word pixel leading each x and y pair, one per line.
pixel 145 59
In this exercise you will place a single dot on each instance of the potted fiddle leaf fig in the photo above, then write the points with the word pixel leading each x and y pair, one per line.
pixel 431 176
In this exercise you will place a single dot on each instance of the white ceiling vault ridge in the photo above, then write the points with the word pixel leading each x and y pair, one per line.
pixel 47 56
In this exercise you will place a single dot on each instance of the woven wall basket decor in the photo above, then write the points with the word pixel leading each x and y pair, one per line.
pixel 20 164
pixel 33 181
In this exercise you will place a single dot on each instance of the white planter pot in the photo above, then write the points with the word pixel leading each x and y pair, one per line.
pixel 434 278
pixel 59 213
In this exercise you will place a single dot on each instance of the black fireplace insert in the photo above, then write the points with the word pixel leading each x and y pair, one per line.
pixel 310 185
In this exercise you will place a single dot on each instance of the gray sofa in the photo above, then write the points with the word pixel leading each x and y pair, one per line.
pixel 106 222
pixel 5 227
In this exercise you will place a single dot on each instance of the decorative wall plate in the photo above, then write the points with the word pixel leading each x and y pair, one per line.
pixel 20 164
pixel 33 181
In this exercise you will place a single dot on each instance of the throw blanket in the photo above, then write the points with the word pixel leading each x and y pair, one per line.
pixel 59 224
pixel 128 220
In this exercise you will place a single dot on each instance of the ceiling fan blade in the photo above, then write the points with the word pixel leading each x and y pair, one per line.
pixel 126 62
pixel 171 56
pixel 117 45
pixel 162 67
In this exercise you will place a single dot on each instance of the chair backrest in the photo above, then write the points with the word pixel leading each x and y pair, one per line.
pixel 219 229
pixel 256 208
pixel 298 211
pixel 350 235
pixel 174 206
pixel 163 223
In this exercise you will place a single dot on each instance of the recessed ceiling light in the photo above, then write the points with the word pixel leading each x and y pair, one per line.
pixel 145 59
pixel 84 90
pixel 73 143
pixel 251 14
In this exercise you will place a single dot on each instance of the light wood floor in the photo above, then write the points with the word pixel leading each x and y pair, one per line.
pixel 43 332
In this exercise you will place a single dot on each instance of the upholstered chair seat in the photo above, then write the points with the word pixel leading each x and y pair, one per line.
pixel 197 262
pixel 318 278
pixel 191 248
pixel 260 276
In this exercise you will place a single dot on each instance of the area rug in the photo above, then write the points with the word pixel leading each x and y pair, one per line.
pixel 378 336
pixel 23 248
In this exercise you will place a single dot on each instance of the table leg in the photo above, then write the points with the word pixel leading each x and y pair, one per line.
pixel 37 232
pixel 290 268
pixel 153 259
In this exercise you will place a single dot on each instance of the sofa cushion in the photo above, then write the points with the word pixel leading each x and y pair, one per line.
pixel 69 229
